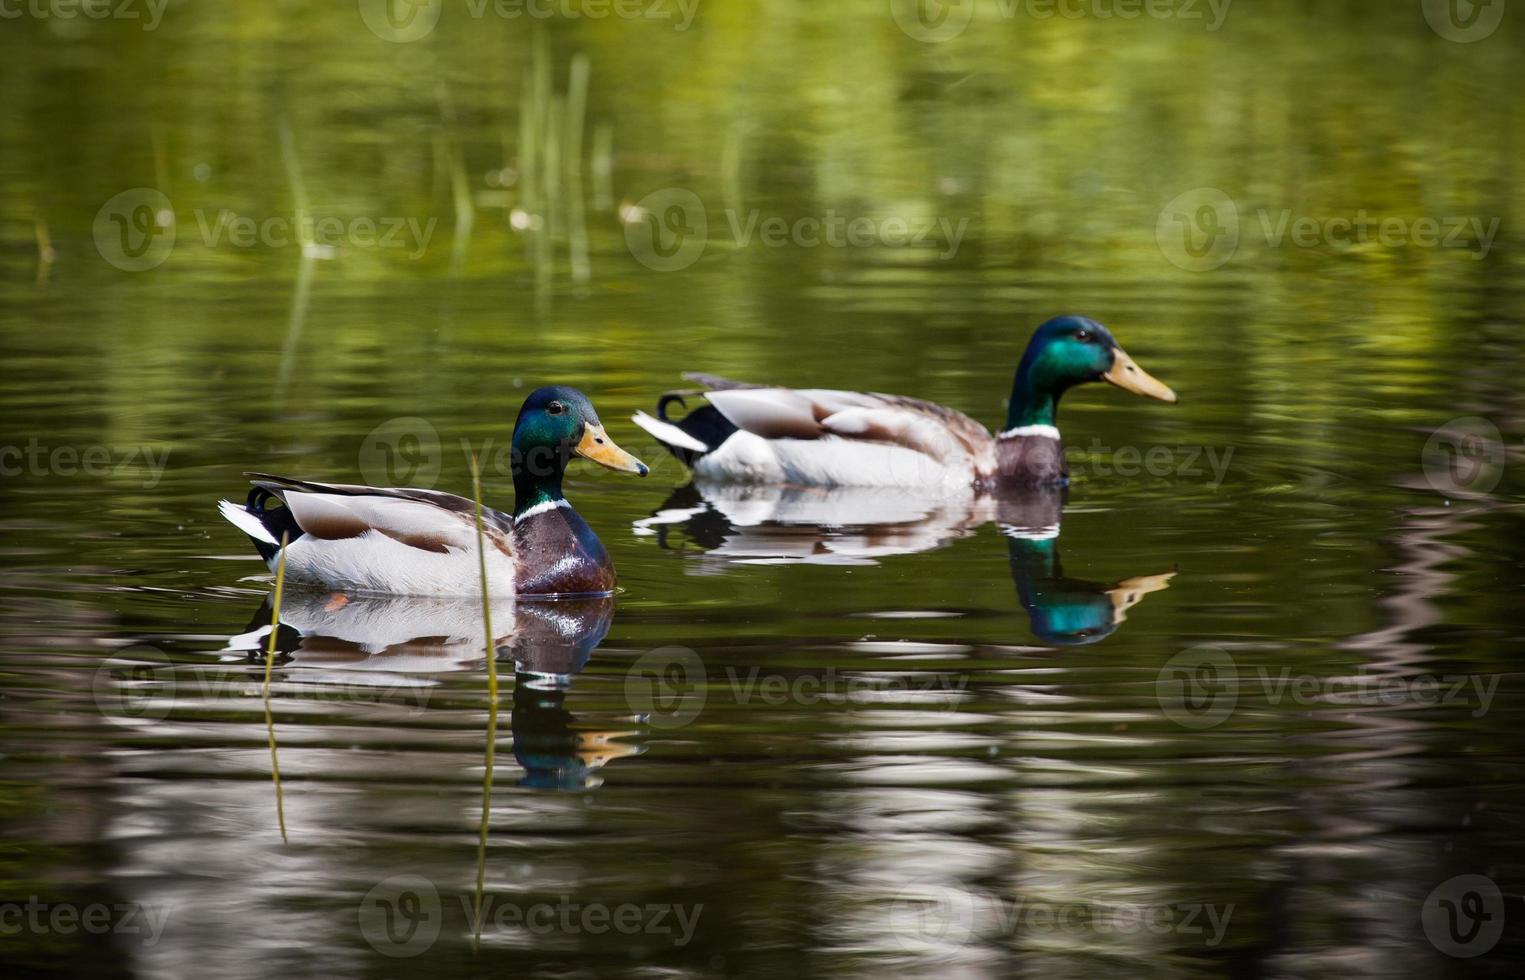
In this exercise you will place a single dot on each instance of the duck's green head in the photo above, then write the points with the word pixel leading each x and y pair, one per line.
pixel 556 424
pixel 1067 351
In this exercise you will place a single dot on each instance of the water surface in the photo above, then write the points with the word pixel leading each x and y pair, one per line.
pixel 1186 721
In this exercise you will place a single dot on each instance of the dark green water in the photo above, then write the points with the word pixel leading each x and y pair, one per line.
pixel 820 734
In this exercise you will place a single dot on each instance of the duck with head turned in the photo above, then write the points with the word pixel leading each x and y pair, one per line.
pixel 406 541
pixel 751 433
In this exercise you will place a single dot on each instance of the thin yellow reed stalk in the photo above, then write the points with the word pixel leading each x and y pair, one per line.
pixel 492 704
pixel 275 625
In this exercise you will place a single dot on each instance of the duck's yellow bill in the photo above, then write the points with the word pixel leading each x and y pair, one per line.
pixel 1131 591
pixel 597 446
pixel 1128 376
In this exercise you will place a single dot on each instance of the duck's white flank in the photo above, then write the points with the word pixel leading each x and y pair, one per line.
pixel 1023 431
pixel 668 433
pixel 372 562
pixel 832 461
pixel 541 508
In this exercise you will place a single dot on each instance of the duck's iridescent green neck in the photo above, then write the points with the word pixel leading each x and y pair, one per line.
pixel 1047 371
pixel 533 491
pixel 1033 556
pixel 1030 406
pixel 539 465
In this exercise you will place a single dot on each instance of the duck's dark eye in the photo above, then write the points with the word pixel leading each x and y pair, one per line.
pixel 555 408
pixel 1083 335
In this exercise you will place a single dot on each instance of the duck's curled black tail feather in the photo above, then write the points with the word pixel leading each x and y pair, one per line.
pixel 665 400
pixel 704 423
pixel 272 512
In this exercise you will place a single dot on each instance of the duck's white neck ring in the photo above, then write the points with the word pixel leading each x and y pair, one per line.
pixel 1046 533
pixel 541 508
pixel 1024 431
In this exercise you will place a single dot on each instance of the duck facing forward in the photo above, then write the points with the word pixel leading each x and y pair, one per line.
pixel 404 541
pixel 752 433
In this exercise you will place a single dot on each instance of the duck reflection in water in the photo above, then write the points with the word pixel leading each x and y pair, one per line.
pixel 391 642
pixel 729 524
pixel 1062 611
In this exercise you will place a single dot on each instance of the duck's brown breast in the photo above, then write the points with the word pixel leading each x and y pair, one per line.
pixel 557 553
pixel 1030 461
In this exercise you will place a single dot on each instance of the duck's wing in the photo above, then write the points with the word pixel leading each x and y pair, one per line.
pixel 429 520
pixel 814 413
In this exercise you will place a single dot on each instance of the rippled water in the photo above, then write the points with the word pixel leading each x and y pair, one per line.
pixel 1245 701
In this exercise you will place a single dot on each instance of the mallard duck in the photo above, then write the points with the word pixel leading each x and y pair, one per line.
pixel 403 541
pixel 751 433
